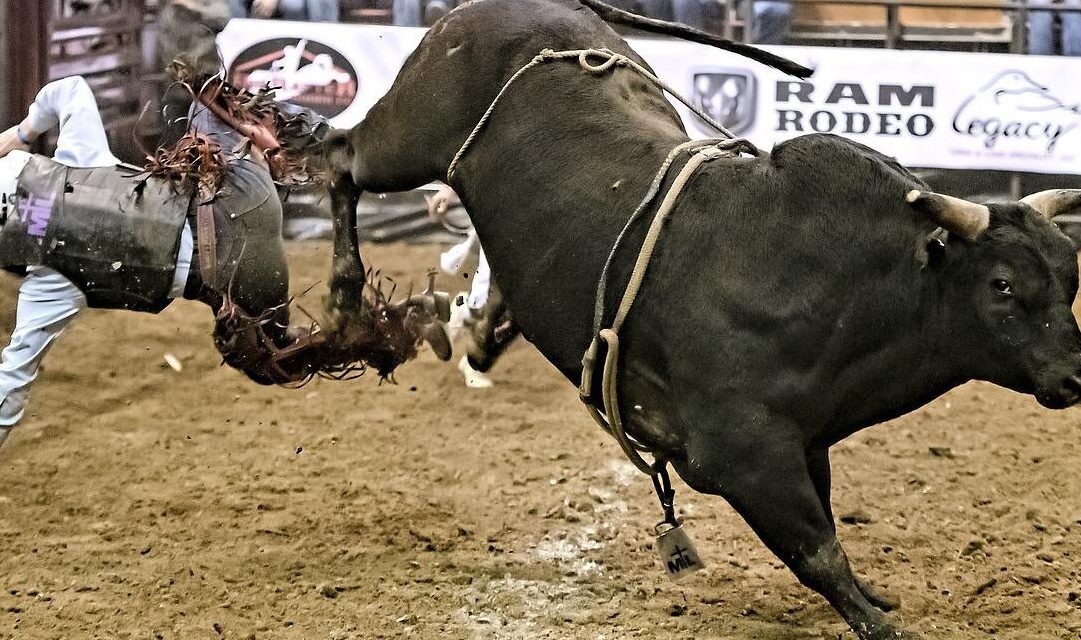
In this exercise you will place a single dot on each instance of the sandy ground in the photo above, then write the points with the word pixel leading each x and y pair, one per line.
pixel 137 502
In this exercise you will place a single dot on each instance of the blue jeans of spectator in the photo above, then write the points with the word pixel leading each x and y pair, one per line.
pixel 771 18
pixel 407 13
pixel 293 9
pixel 410 13
pixel 303 10
pixel 771 21
pixel 1041 31
pixel 693 13
pixel 659 9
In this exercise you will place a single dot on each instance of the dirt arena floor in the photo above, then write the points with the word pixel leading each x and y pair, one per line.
pixel 138 502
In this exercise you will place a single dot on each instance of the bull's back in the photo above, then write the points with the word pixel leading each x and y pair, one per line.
pixel 450 80
pixel 565 158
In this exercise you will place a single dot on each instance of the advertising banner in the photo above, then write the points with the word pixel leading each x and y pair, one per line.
pixel 337 70
pixel 926 108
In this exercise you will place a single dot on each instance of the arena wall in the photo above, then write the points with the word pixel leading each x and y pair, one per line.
pixel 4 79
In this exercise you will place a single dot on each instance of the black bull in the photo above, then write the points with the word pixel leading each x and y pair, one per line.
pixel 795 297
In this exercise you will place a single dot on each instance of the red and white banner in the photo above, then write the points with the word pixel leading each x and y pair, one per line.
pixel 926 108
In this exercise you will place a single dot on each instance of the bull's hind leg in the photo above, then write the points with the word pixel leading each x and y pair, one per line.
pixel 358 164
pixel 347 273
pixel 373 157
pixel 764 474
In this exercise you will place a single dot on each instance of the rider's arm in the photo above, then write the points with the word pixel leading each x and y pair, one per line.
pixel 70 103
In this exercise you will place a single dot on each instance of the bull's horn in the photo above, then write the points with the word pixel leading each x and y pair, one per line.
pixel 1054 202
pixel 961 217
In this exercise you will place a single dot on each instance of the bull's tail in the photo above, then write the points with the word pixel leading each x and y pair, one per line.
pixel 608 13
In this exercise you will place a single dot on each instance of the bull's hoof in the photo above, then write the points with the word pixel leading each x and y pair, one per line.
pixel 342 311
pixel 881 599
pixel 889 632
pixel 901 634
pixel 333 318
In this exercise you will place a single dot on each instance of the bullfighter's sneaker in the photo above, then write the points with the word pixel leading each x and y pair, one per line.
pixel 473 379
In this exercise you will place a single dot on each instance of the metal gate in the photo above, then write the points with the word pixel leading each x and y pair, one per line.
pixel 101 40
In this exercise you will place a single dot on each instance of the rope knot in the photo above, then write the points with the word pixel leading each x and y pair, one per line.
pixel 611 59
pixel 544 55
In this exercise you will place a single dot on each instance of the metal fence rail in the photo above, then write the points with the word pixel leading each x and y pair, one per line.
pixel 892 32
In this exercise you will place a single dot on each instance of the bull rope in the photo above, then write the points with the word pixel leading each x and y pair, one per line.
pixel 610 59
pixel 610 419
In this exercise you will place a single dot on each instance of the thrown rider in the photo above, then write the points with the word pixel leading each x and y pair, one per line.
pixel 201 222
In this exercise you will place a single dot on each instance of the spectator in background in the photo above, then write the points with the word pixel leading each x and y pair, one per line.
pixel 420 13
pixel 771 21
pixel 304 10
pixel 659 9
pixel 1041 29
pixel 770 24
pixel 406 13
pixel 187 31
pixel 655 9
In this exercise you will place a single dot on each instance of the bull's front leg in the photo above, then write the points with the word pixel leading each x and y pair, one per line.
pixel 765 474
pixel 818 464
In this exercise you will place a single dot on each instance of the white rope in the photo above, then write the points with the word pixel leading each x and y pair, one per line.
pixel 651 194
pixel 609 61
pixel 611 420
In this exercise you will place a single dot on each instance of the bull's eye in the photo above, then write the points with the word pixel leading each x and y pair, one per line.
pixel 1002 286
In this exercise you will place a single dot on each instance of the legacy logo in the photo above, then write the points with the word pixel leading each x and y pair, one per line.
pixel 729 96
pixel 304 72
pixel 1013 106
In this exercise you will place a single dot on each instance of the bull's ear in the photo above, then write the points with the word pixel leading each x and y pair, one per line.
pixel 934 250
pixel 1056 204
pixel 960 217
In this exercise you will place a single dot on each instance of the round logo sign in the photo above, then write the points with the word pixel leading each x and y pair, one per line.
pixel 303 72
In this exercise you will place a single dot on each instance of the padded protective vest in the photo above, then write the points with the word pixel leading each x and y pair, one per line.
pixel 110 230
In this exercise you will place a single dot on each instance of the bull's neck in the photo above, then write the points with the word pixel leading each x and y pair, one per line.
pixel 914 361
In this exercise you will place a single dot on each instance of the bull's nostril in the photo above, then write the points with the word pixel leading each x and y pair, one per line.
pixel 1072 388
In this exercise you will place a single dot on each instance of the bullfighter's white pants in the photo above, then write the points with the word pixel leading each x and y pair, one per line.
pixel 452 261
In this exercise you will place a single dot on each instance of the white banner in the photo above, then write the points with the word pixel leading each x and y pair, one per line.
pixel 926 108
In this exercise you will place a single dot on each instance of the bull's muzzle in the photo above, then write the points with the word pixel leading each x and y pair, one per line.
pixel 1066 393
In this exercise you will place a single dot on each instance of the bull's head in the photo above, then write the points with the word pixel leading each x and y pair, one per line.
pixel 1010 277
